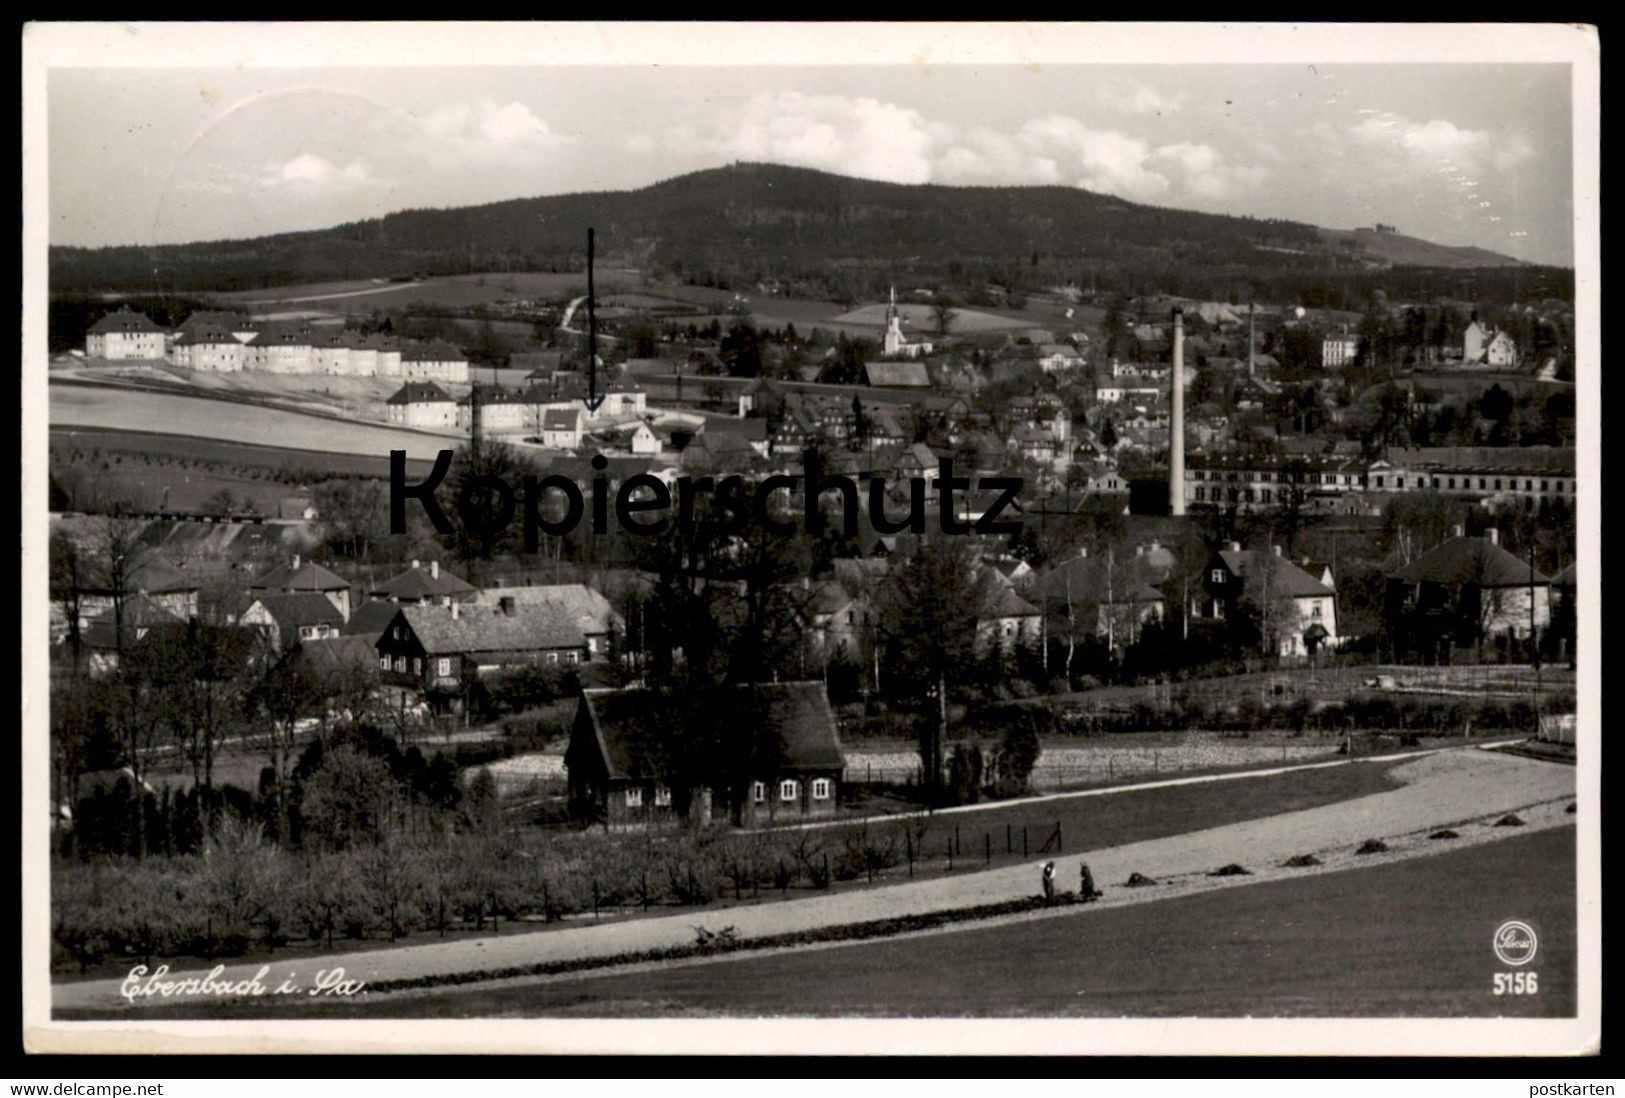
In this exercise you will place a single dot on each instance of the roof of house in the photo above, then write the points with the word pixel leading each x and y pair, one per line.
pixel 1287 578
pixel 338 655
pixel 1565 578
pixel 1086 579
pixel 1005 603
pixel 370 619
pixel 1458 561
pixel 420 392
pixel 561 419
pixel 747 429
pixel 139 613
pixel 634 728
pixel 591 612
pixel 911 374
pixel 124 321
pixel 301 608
pixel 434 350
pixel 420 582
pixel 306 576
pixel 485 628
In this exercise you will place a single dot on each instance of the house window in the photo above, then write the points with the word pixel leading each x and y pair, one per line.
pixel 662 797
pixel 758 792
pixel 400 663
pixel 383 663
pixel 634 798
pixel 821 789
pixel 416 668
pixel 787 789
pixel 443 666
pixel 1218 575
pixel 1399 482
pixel 1379 482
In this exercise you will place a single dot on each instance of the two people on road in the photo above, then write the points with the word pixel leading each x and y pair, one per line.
pixel 1087 892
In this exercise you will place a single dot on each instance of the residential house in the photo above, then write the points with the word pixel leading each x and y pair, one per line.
pixel 644 441
pixel 1111 597
pixel 1057 356
pixel 1473 589
pixel 787 767
pixel 561 428
pixel 423 584
pixel 434 360
pixel 588 609
pixel 1338 350
pixel 124 336
pixel 1298 611
pixel 433 648
pixel 1007 622
pixel 422 404
pixel 289 618
pixel 299 577
pixel 118 629
pixel 208 346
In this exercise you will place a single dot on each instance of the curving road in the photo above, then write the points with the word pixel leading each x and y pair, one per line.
pixel 1448 788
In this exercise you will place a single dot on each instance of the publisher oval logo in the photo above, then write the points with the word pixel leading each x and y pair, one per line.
pixel 1515 943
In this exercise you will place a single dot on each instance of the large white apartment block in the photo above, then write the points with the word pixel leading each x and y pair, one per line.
pixel 125 335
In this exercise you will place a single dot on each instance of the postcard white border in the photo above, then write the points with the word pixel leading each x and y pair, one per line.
pixel 216 45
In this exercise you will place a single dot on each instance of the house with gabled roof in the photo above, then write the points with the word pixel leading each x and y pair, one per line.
pixel 125 335
pixel 423 584
pixel 117 629
pixel 302 576
pixel 433 648
pixel 588 609
pixel 434 360
pixel 1006 622
pixel 783 762
pixel 1266 578
pixel 561 428
pixel 285 619
pixel 1106 596
pixel 422 404
pixel 1477 589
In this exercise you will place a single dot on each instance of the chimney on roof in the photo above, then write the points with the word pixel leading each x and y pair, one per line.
pixel 296 562
pixel 508 605
pixel 1276 549
pixel 1083 552
pixel 1457 531
pixel 416 565
pixel 1493 535
pixel 1233 546
pixel 434 569
pixel 454 612
pixel 1251 339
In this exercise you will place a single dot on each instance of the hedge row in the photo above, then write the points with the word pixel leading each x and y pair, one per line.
pixel 247 893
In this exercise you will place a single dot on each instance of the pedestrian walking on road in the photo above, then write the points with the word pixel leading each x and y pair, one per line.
pixel 1086 884
pixel 1049 881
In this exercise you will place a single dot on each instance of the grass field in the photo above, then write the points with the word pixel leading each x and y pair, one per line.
pixel 1408 939
pixel 230 421
pixel 457 291
pixel 315 464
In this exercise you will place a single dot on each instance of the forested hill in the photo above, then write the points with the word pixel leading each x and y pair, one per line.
pixel 747 222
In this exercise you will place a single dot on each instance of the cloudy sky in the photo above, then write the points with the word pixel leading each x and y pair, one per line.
pixel 1460 154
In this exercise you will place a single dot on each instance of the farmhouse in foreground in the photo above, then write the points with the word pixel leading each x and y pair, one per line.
pixel 781 738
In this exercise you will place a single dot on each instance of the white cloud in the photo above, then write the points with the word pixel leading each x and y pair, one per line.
pixel 878 140
pixel 309 172
pixel 1438 143
pixel 488 130
pixel 1137 97
pixel 858 136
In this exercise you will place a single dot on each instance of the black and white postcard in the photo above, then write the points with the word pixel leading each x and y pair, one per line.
pixel 817 537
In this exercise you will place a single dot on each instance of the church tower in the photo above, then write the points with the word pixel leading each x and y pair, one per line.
pixel 894 330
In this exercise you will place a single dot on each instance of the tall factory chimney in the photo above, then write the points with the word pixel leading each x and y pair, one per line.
pixel 1252 341
pixel 1176 421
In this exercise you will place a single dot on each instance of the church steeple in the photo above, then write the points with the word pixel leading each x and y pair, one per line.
pixel 894 328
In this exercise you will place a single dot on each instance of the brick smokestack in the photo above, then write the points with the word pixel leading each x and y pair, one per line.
pixel 1176 421
pixel 1252 341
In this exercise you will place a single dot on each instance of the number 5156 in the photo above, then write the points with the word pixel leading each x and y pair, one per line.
pixel 1515 983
